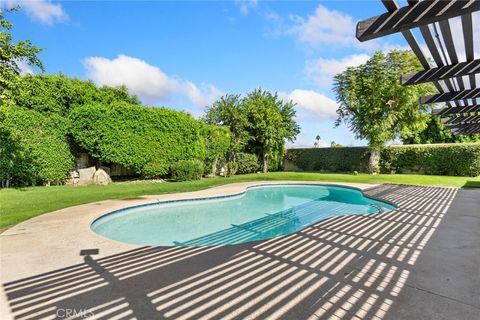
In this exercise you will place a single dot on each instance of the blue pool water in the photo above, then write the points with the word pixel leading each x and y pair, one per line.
pixel 262 212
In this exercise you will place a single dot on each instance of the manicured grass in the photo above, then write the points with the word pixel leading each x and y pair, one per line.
pixel 17 205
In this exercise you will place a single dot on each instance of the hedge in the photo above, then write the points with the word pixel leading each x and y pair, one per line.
pixel 460 159
pixel 344 159
pixel 145 139
pixel 33 148
pixel 57 93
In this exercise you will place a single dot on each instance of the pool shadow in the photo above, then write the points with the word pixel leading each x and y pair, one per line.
pixel 338 267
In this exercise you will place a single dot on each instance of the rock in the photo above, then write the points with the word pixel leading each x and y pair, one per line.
pixel 86 175
pixel 73 177
pixel 101 177
pixel 106 169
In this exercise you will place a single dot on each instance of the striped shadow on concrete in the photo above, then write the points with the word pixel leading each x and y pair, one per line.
pixel 389 265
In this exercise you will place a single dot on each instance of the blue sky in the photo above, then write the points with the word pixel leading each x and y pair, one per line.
pixel 184 55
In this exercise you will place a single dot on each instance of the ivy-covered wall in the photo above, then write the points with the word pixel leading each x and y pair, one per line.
pixel 33 148
pixel 51 119
pixel 147 140
pixel 459 159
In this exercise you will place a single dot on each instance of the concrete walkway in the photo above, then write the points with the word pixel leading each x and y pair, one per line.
pixel 420 261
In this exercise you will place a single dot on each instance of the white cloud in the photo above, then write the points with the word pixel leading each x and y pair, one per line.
pixel 327 27
pixel 456 27
pixel 312 104
pixel 146 81
pixel 24 68
pixel 204 97
pixel 246 5
pixel 321 71
pixel 387 47
pixel 43 11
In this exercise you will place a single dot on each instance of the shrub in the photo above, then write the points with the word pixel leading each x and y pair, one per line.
pixel 33 148
pixel 458 159
pixel 232 168
pixel 247 163
pixel 144 139
pixel 185 170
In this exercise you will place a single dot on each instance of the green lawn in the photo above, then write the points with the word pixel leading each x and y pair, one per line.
pixel 17 205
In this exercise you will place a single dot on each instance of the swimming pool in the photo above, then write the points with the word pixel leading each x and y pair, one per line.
pixel 261 212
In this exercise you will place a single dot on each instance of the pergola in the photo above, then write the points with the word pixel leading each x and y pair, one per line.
pixel 451 67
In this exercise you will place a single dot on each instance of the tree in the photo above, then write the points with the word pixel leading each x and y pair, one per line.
pixel 374 104
pixel 11 55
pixel 316 144
pixel 271 122
pixel 216 140
pixel 333 144
pixel 229 111
pixel 436 132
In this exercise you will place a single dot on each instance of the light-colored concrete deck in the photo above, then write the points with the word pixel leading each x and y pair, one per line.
pixel 420 261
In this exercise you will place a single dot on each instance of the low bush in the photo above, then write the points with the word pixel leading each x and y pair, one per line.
pixel 185 170
pixel 456 159
pixel 247 163
pixel 231 168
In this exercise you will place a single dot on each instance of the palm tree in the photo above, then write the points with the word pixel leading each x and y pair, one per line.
pixel 317 142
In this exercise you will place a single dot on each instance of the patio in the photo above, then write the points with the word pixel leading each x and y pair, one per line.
pixel 406 264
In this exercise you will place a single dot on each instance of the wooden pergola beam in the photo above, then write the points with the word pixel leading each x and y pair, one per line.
pixel 451 96
pixel 465 128
pixel 457 110
pixel 441 73
pixel 460 119
pixel 409 17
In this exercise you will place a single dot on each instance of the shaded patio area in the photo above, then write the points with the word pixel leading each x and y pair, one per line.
pixel 420 261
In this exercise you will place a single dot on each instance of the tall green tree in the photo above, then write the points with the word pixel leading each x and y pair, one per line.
pixel 11 55
pixel 316 144
pixel 374 104
pixel 229 111
pixel 216 140
pixel 271 122
pixel 436 132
